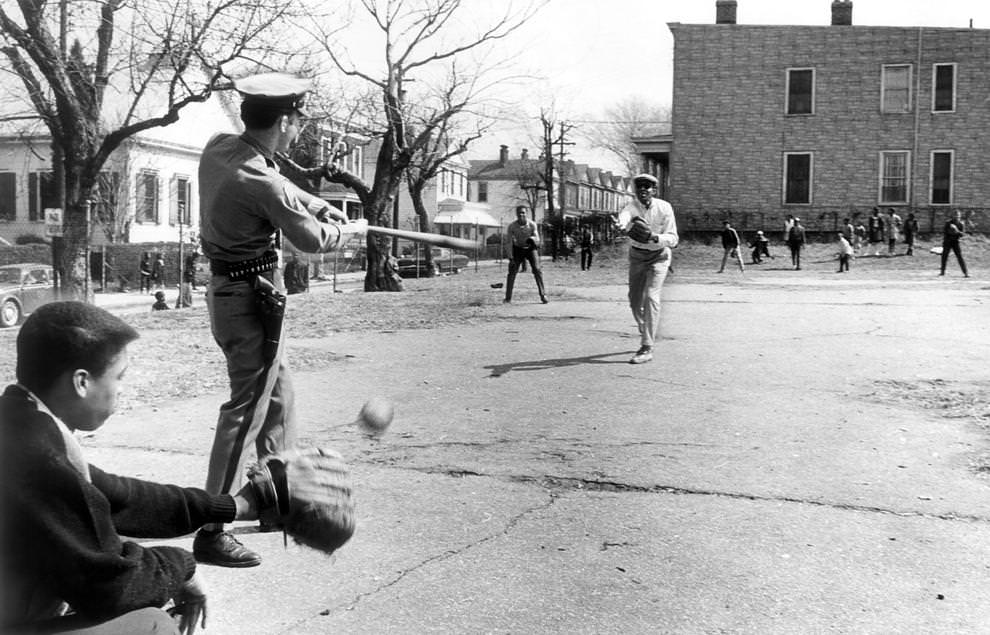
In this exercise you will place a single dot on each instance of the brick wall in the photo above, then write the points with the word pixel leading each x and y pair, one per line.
pixel 730 131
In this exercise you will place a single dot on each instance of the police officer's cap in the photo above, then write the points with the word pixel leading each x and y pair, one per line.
pixel 647 179
pixel 278 91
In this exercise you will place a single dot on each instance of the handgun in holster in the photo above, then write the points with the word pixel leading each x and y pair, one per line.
pixel 271 309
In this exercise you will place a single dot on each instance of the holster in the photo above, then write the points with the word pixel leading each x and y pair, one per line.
pixel 271 310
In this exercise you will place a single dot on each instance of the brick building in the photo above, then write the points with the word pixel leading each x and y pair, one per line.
pixel 824 122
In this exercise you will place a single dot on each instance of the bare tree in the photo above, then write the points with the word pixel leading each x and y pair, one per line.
pixel 437 150
pixel 163 55
pixel 422 41
pixel 629 118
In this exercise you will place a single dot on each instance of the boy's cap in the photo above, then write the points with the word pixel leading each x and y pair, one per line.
pixel 277 91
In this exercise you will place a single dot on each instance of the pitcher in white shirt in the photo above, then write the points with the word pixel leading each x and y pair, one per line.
pixel 648 261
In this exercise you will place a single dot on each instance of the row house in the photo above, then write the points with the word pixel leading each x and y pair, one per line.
pixel 591 196
pixel 824 122
pixel 444 197
pixel 585 195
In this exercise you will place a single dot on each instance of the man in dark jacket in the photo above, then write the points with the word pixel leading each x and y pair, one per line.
pixel 951 234
pixel 63 563
pixel 795 241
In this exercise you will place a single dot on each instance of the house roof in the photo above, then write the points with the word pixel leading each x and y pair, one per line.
pixel 510 170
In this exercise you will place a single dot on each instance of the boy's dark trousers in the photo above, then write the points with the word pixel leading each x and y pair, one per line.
pixel 843 262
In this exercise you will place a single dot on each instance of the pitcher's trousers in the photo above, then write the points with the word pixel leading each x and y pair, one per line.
pixel 238 331
pixel 647 271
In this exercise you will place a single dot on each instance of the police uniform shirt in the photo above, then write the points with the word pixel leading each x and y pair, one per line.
pixel 244 199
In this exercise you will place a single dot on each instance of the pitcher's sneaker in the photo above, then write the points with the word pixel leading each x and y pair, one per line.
pixel 643 355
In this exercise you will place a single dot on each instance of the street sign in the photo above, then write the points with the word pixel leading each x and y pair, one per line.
pixel 53 221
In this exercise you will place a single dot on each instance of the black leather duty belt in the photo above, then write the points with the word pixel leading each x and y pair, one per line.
pixel 245 268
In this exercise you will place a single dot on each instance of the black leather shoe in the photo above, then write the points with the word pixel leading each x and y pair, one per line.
pixel 220 548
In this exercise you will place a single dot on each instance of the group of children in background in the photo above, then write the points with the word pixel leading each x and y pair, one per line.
pixel 856 238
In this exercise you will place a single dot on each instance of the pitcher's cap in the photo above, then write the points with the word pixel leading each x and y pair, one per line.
pixel 278 91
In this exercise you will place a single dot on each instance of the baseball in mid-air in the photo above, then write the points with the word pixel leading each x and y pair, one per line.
pixel 376 416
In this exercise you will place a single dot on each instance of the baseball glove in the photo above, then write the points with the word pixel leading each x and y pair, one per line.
pixel 307 492
pixel 530 243
pixel 639 230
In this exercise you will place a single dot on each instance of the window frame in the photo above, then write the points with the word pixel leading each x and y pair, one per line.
pixel 785 180
pixel 882 155
pixel 909 107
pixel 482 196
pixel 141 214
pixel 8 179
pixel 178 214
pixel 955 83
pixel 951 177
pixel 788 96
pixel 36 194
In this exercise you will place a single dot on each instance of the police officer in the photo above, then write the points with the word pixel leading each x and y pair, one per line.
pixel 244 203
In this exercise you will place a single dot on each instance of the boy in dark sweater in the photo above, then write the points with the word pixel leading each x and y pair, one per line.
pixel 64 565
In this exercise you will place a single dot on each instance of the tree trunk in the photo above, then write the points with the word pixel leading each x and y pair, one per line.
pixel 381 273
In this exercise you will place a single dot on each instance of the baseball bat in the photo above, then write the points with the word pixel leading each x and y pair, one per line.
pixel 425 237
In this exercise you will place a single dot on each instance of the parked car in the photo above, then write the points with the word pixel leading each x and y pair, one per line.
pixel 23 288
pixel 412 264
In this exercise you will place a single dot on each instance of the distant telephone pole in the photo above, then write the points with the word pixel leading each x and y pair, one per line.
pixel 560 141
pixel 555 144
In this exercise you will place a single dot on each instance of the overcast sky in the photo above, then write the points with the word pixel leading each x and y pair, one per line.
pixel 593 53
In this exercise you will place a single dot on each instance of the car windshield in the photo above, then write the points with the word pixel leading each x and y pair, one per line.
pixel 10 276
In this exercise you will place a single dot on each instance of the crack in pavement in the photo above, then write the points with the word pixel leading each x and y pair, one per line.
pixel 558 483
pixel 441 557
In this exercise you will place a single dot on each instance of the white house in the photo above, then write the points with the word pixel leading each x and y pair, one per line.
pixel 150 180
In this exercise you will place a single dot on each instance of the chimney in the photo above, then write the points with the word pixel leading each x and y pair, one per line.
pixel 524 155
pixel 503 155
pixel 842 13
pixel 725 11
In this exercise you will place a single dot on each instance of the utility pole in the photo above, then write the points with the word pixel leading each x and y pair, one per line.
pixel 556 218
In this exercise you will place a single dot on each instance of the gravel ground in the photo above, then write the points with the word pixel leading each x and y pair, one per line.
pixel 177 358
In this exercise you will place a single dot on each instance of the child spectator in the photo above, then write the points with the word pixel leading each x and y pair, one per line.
pixel 761 247
pixel 160 303
pixel 845 253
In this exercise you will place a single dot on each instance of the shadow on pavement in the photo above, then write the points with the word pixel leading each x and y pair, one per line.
pixel 543 364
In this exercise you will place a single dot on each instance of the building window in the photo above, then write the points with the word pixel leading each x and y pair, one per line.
pixel 944 88
pixel 895 92
pixel 105 196
pixel 797 178
pixel 356 166
pixel 800 91
pixel 482 192
pixel 181 200
pixel 8 196
pixel 894 177
pixel 42 194
pixel 147 197
pixel 941 177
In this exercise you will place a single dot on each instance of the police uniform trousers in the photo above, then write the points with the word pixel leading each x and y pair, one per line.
pixel 647 272
pixel 237 329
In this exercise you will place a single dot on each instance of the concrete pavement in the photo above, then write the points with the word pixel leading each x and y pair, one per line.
pixel 782 466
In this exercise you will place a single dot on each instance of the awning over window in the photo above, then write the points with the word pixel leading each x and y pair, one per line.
pixel 454 212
